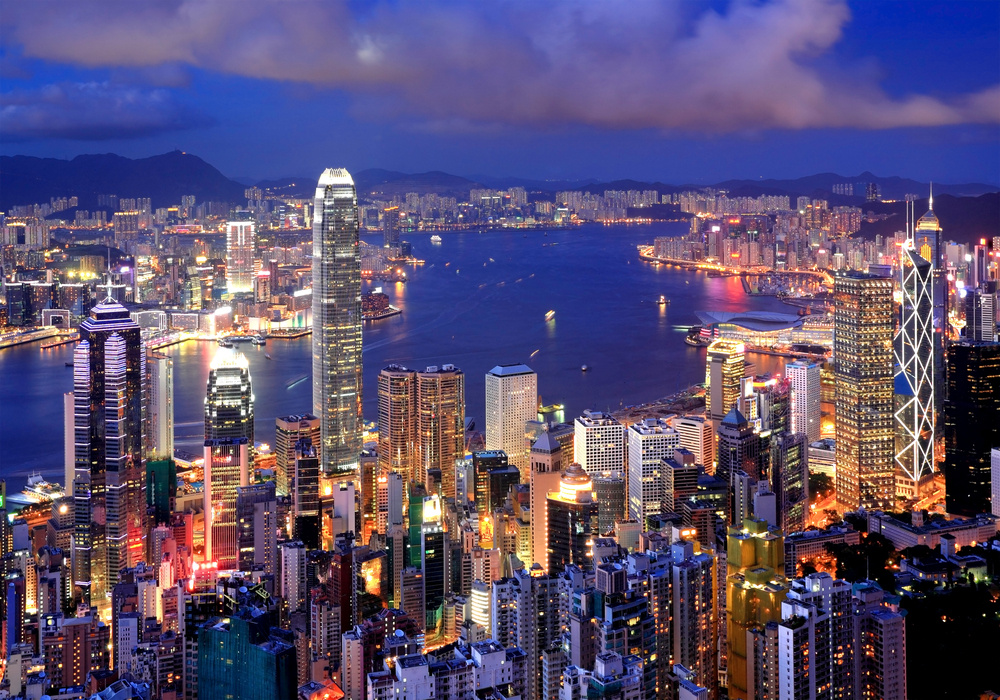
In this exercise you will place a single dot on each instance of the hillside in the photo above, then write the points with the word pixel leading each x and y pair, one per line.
pixel 964 219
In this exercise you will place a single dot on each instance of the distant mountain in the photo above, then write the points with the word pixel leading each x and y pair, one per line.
pixel 964 219
pixel 892 187
pixel 164 178
pixel 387 183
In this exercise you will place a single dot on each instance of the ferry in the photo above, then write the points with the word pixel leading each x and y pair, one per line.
pixel 38 490
pixel 435 238
pixel 584 368
pixel 225 343
pixel 259 340
pixel 663 300
pixel 550 315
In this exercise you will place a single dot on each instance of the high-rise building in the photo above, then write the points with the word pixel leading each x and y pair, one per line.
pixel 995 471
pixel 305 494
pixel 915 375
pixel 511 401
pixel 440 423
pixel 650 441
pixel 981 313
pixel 434 562
pixel 599 443
pixel 790 480
pixel 336 321
pixel 697 436
pixel 109 474
pixel 397 421
pixel 390 227
pixel 725 366
pixel 239 256
pixel 864 391
pixel 612 502
pixel 160 414
pixel 229 398
pixel 880 646
pixel 927 229
pixel 288 430
pixel 546 467
pixel 257 527
pixel 572 520
pixel 806 413
pixel 971 427
pixel 227 467
pixel 741 451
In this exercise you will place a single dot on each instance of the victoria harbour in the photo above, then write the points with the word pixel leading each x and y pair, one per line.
pixel 479 299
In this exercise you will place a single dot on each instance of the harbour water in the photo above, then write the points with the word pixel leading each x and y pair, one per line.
pixel 480 299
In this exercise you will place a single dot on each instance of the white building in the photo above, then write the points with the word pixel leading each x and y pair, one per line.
pixel 599 443
pixel 995 471
pixel 352 670
pixel 511 401
pixel 649 442
pixel 806 413
pixel 695 434
pixel 239 256
pixel 292 574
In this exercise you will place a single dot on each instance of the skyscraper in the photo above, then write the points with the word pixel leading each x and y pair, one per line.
pixel 864 390
pixel 546 466
pixel 160 435
pixel 239 256
pixel 288 430
pixel 599 443
pixel 981 313
pixel 257 527
pixel 790 480
pixel 572 520
pixel 440 422
pixel 336 321
pixel 227 467
pixel 972 426
pixel 725 366
pixel 650 442
pixel 805 378
pixel 109 475
pixel 229 398
pixel 511 401
pixel 396 421
pixel 928 229
pixel 914 381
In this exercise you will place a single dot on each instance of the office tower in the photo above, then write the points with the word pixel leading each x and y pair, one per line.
pixel 981 313
pixel 483 465
pixel 928 229
pixel 864 391
pixel 227 467
pixel 160 433
pixel 971 427
pixel 755 588
pixel 390 227
pixel 624 622
pixel 915 374
pixel 546 466
pixel 740 450
pixel 599 443
pixel 880 646
pixel 680 482
pixel 109 475
pixel 724 369
pixel 650 441
pixel 696 435
pixel 612 502
pixel 790 480
pixel 995 471
pixel 834 598
pixel 292 574
pixel 572 520
pixel 336 321
pixel 434 562
pixel 440 423
pixel 305 494
pixel 511 401
pixel 73 648
pixel 806 412
pixel 257 527
pixel 397 421
pixel 772 398
pixel 288 430
pixel 239 256
pixel 389 501
pixel 229 398
pixel 161 489
pixel 242 656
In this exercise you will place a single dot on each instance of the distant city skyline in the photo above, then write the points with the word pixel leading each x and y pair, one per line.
pixel 557 92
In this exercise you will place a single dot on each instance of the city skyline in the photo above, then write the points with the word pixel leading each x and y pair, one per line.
pixel 871 97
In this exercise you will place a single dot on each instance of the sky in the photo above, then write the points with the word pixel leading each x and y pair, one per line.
pixel 678 91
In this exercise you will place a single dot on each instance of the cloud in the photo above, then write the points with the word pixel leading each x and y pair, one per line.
pixel 617 64
pixel 93 111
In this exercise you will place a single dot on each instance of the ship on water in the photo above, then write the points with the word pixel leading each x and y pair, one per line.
pixel 38 490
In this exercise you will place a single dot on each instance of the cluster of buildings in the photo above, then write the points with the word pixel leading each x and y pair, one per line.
pixel 651 560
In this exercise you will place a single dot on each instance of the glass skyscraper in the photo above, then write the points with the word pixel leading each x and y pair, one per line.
pixel 336 322
pixel 229 398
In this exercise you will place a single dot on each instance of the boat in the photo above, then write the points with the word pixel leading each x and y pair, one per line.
pixel 69 364
pixel 38 490
pixel 550 315
pixel 663 300
pixel 435 238
pixel 296 382
pixel 584 368
pixel 268 355
pixel 259 340
pixel 225 343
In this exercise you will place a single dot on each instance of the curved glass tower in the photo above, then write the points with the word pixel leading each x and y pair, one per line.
pixel 336 322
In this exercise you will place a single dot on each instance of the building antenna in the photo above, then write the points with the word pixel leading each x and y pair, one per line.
pixel 930 198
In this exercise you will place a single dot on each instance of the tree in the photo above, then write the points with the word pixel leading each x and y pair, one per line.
pixel 820 486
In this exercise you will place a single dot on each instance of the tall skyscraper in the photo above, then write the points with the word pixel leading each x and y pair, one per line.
pixel 981 313
pixel 239 256
pixel 915 375
pixel 390 227
pixel 511 401
pixel 305 493
pixel 697 436
pixel 440 423
pixel 725 365
pixel 396 421
pixel 160 434
pixel 927 229
pixel 790 480
pixel 336 321
pixel 257 527
pixel 109 477
pixel 288 430
pixel 650 442
pixel 572 520
pixel 546 466
pixel 227 467
pixel 806 413
pixel 229 398
pixel 864 391
pixel 599 443
pixel 972 426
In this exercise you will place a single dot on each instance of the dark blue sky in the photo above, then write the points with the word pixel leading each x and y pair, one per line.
pixel 676 91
